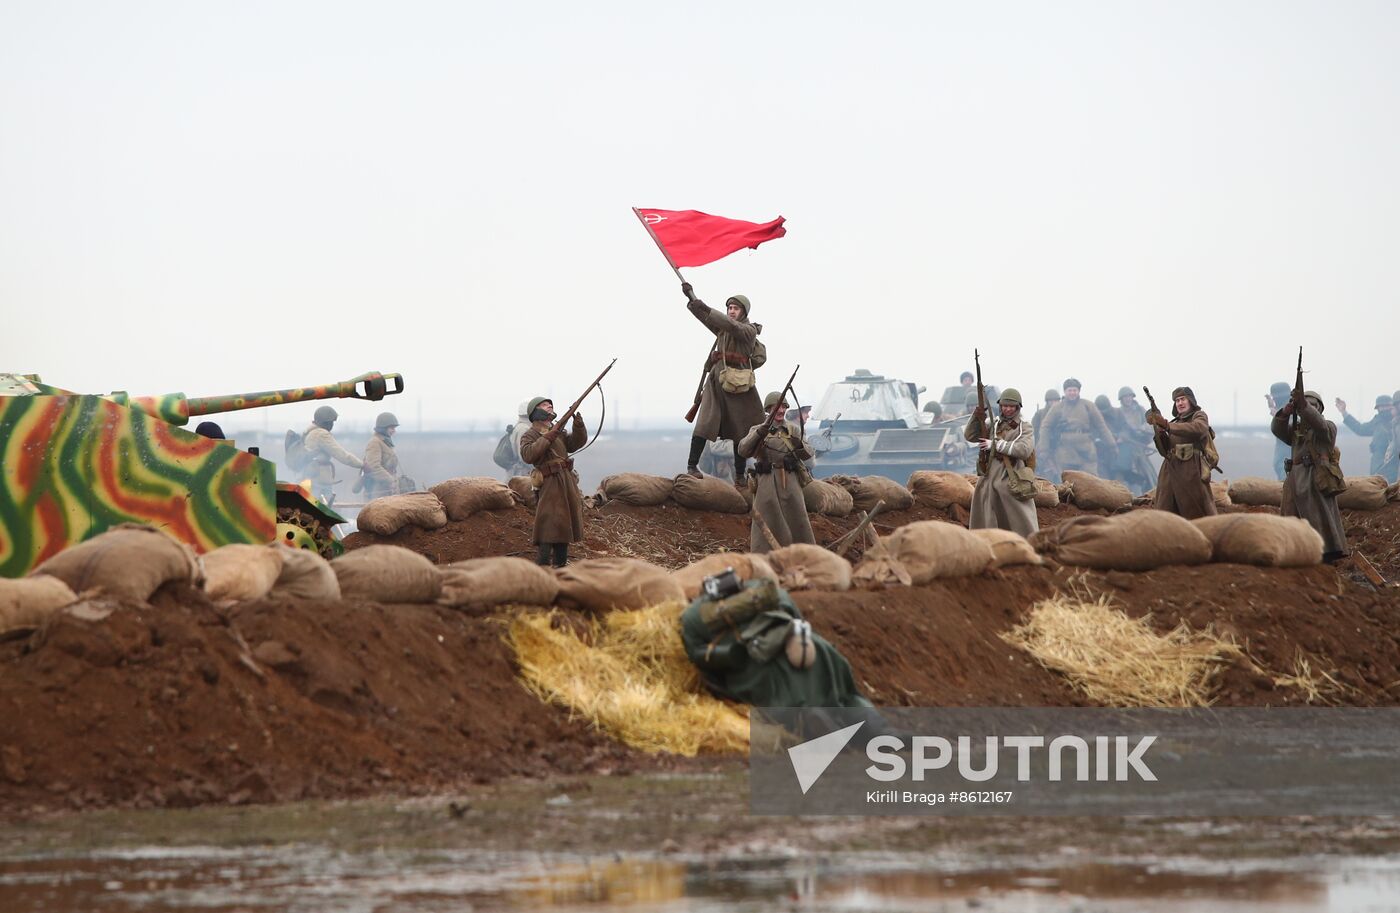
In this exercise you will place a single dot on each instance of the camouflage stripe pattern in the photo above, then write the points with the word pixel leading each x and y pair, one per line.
pixel 72 466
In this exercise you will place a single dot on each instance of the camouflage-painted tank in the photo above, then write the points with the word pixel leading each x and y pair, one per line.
pixel 73 465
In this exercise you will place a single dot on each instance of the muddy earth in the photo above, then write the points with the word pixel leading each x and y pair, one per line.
pixel 203 756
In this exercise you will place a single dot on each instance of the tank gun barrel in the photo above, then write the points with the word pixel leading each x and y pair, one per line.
pixel 177 409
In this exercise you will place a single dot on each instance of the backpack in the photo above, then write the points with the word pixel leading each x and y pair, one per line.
pixel 295 444
pixel 505 455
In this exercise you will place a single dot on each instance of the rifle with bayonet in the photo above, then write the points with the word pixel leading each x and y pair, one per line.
pixel 569 413
pixel 1299 398
pixel 984 457
pixel 782 398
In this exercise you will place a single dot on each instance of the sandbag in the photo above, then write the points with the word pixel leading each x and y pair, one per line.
pixel 1265 540
pixel 242 572
pixel 1256 492
pixel 305 575
pixel 932 549
pixel 830 500
pixel 523 490
pixel 746 566
pixel 1008 548
pixel 939 489
pixel 128 561
pixel 803 566
pixel 387 573
pixel 386 516
pixel 470 494
pixel 487 582
pixel 1089 492
pixel 604 584
pixel 708 493
pixel 1220 493
pixel 25 603
pixel 1046 494
pixel 1364 493
pixel 867 491
pixel 636 488
pixel 1136 541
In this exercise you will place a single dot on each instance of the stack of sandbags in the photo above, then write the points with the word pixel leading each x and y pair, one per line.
pixel 802 566
pixel 469 494
pixel 636 488
pixel 387 573
pixel 1008 548
pixel 1137 541
pixel 867 491
pixel 709 493
pixel 746 566
pixel 830 500
pixel 1046 494
pixel 305 575
pixel 940 490
pixel 1256 492
pixel 1364 493
pixel 1220 493
pixel 925 551
pixel 238 573
pixel 26 603
pixel 604 584
pixel 1089 492
pixel 128 561
pixel 386 516
pixel 483 583
pixel 1265 540
pixel 523 490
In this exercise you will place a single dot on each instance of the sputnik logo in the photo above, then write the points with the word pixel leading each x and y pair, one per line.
pixel 811 759
pixel 652 218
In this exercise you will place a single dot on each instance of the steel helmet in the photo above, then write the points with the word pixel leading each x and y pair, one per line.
pixel 1010 395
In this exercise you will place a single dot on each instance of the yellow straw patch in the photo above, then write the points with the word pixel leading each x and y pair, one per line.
pixel 1120 661
pixel 630 677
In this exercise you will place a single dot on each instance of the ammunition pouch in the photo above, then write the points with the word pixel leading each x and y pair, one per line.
pixel 766 634
pixel 1021 481
pixel 1184 452
pixel 735 380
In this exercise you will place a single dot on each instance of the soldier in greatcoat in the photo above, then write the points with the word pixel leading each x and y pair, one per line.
pixel 559 504
pixel 1005 492
pixel 1314 471
pixel 778 449
pixel 1187 446
pixel 729 403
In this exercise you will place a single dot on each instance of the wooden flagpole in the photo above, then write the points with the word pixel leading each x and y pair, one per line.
pixel 645 224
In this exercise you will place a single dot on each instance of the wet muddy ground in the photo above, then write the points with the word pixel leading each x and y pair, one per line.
pixel 678 842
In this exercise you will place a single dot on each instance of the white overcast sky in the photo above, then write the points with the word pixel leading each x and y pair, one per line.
pixel 215 197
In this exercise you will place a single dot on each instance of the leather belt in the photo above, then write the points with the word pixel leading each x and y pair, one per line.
pixel 555 467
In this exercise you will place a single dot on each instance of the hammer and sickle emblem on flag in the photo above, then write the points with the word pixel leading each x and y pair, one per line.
pixel 653 218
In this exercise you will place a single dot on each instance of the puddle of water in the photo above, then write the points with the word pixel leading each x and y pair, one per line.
pixel 303 878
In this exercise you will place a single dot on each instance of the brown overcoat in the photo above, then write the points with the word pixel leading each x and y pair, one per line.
pixel 381 467
pixel 778 497
pixel 559 508
pixel 993 504
pixel 1183 481
pixel 1315 436
pixel 722 415
pixel 1070 428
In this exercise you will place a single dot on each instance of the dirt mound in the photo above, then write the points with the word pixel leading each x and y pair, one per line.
pixel 181 704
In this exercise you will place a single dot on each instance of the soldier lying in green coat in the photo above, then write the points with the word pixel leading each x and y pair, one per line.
pixel 745 646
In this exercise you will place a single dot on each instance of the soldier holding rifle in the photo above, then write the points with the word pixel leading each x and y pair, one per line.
pixel 559 508
pixel 1187 446
pixel 1314 470
pixel 779 450
pixel 1005 492
pixel 726 403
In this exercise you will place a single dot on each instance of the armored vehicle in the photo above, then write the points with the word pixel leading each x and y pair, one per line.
pixel 73 465
pixel 867 424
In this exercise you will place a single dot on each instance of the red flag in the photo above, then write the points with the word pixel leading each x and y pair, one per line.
pixel 691 238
